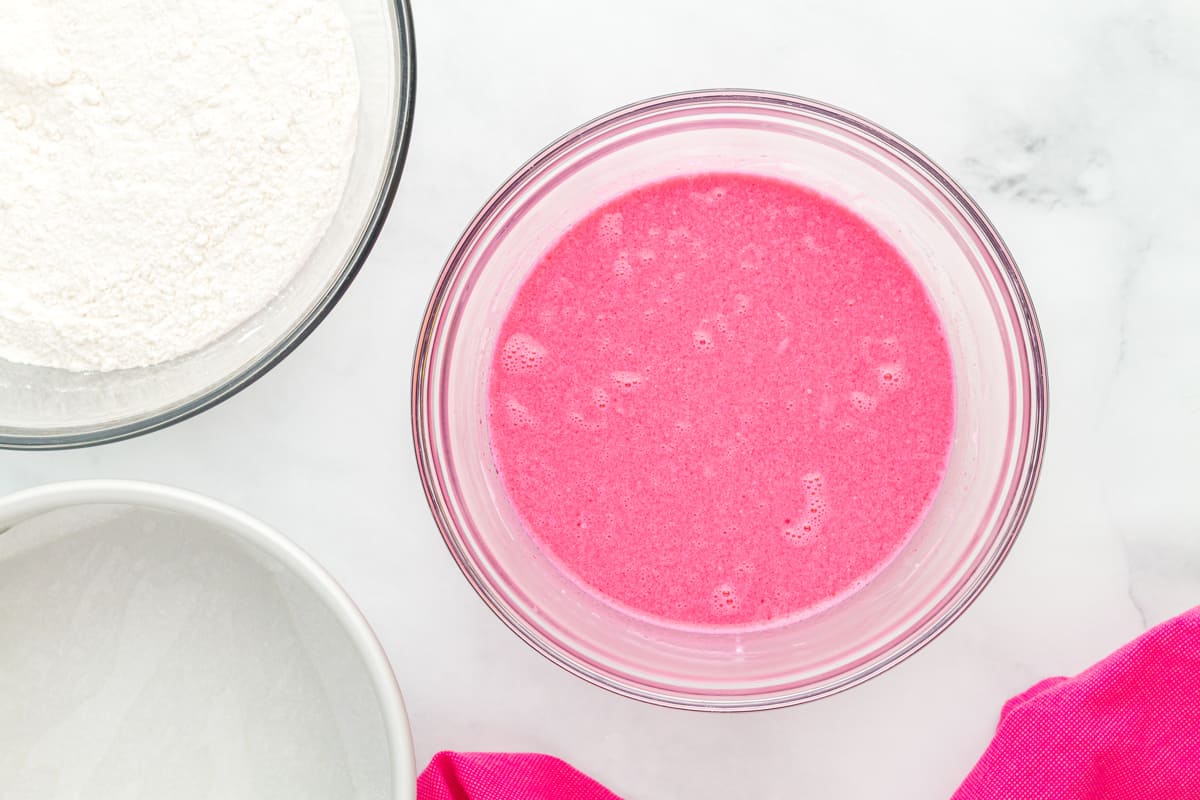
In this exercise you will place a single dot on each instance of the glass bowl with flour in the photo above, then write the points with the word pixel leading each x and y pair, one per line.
pixel 185 192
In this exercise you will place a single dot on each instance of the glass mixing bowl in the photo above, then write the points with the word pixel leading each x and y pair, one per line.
pixel 44 408
pixel 995 453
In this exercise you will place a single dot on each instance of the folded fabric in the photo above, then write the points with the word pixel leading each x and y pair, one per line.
pixel 505 776
pixel 1128 728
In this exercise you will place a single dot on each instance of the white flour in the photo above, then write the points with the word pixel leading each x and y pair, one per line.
pixel 165 168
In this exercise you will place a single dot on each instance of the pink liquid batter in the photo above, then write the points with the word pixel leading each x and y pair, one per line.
pixel 721 399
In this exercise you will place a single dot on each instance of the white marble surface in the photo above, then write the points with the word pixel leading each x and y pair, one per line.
pixel 1073 123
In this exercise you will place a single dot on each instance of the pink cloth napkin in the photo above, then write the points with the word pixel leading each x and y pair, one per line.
pixel 505 776
pixel 1128 728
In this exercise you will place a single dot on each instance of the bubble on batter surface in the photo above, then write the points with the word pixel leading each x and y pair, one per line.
pixel 577 418
pixel 518 414
pixel 725 599
pixel 861 401
pixel 626 381
pixel 622 268
pixel 600 398
pixel 522 354
pixel 891 377
pixel 810 520
pixel 803 529
pixel 610 228
pixel 722 322
pixel 702 340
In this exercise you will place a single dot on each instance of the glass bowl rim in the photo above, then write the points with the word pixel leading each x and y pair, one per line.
pixel 1030 352
pixel 406 84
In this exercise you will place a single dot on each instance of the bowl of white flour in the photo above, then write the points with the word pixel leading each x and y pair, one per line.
pixel 159 644
pixel 186 189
